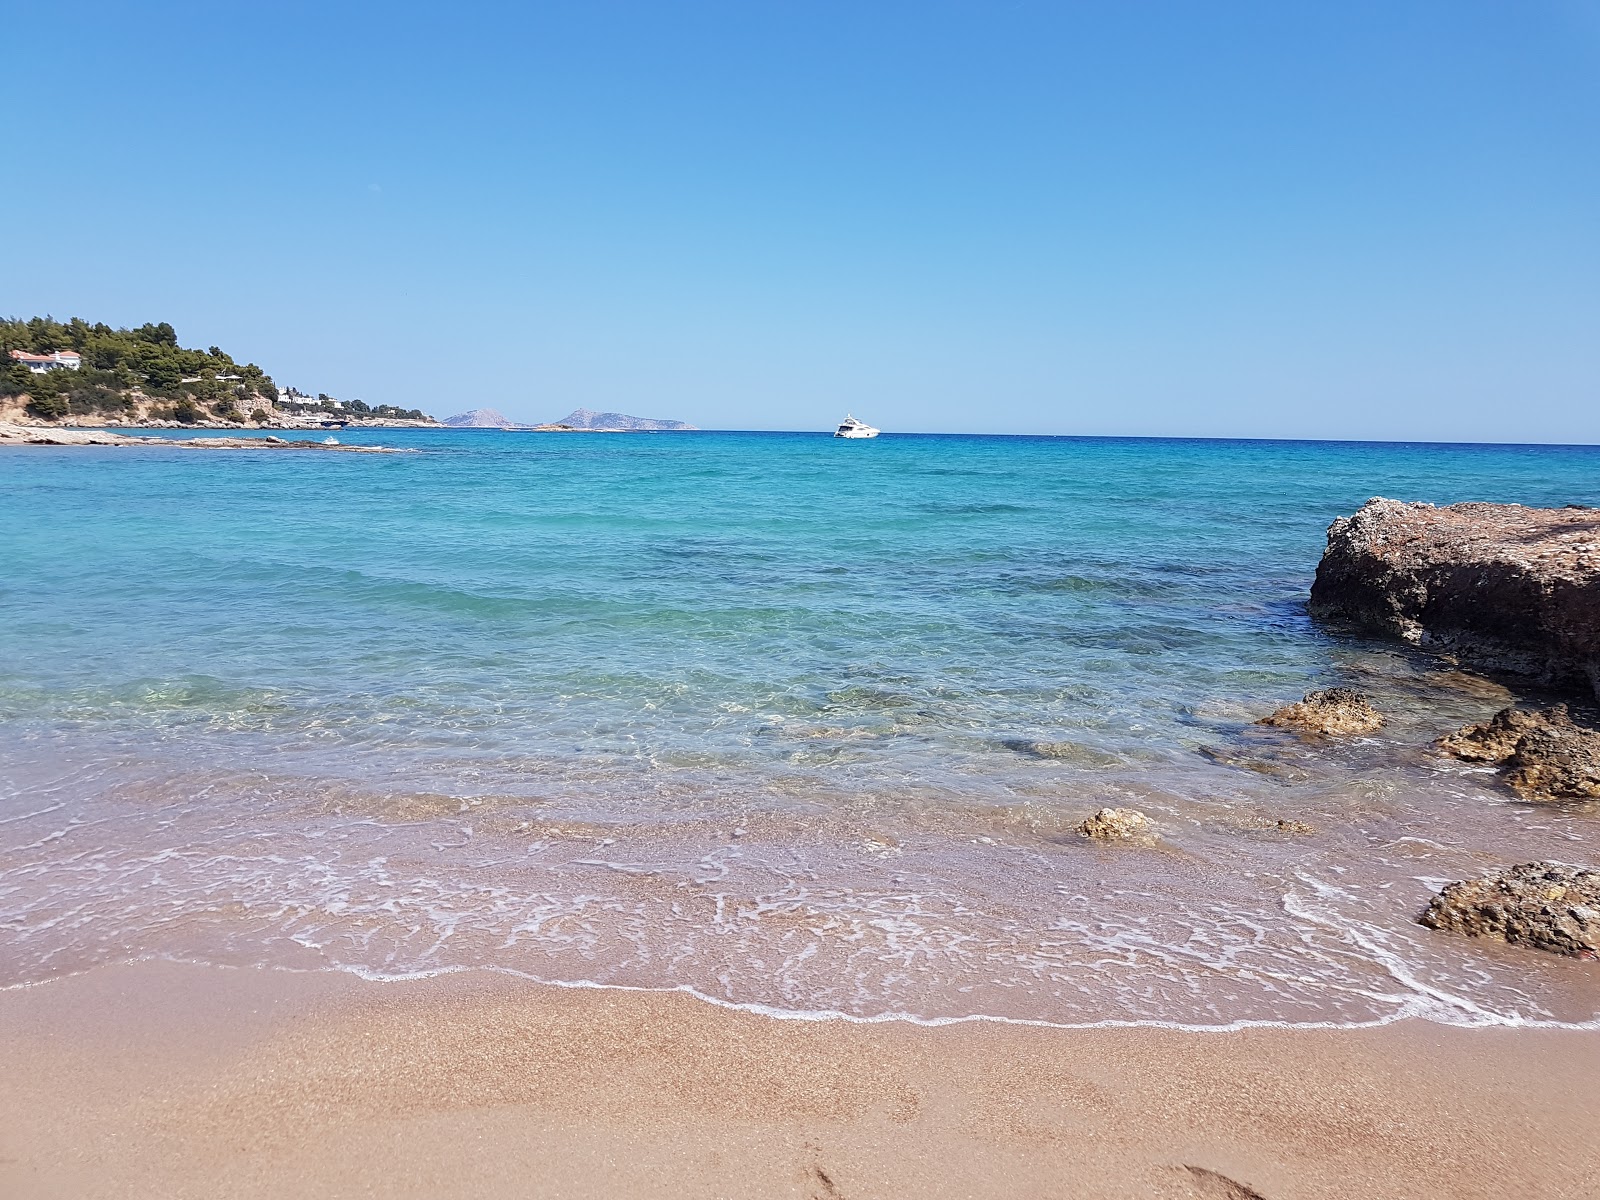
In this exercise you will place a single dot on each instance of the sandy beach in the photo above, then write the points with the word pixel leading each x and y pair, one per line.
pixel 1083 681
pixel 170 1080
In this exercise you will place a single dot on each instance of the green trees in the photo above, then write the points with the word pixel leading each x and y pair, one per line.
pixel 117 361
pixel 157 335
pixel 160 374
pixel 48 408
pixel 355 408
pixel 188 385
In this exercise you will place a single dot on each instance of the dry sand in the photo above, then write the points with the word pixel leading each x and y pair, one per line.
pixel 177 1081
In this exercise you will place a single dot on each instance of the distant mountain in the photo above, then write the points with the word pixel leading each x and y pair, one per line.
pixel 479 418
pixel 583 418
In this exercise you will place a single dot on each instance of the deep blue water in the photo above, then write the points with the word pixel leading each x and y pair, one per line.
pixel 788 720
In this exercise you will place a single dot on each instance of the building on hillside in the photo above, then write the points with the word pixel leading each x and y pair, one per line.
pixel 289 395
pixel 40 363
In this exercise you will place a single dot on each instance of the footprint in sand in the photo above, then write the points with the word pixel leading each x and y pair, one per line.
pixel 1212 1185
pixel 822 1187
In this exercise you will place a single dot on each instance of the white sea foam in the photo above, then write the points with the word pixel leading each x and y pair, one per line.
pixel 664 723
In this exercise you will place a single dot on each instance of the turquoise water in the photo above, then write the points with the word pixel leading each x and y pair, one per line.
pixel 792 722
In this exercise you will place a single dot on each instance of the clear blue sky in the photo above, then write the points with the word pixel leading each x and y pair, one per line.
pixel 1362 220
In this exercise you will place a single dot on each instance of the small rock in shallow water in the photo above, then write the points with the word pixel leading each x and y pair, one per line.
pixel 1543 905
pixel 1494 740
pixel 1119 825
pixel 1336 712
pixel 1256 826
pixel 1261 766
pixel 1075 752
pixel 1545 755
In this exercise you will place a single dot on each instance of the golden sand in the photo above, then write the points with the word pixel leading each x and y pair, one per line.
pixel 174 1081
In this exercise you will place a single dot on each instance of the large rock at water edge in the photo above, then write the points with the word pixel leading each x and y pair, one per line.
pixel 1500 586
pixel 1337 712
pixel 1544 905
pixel 1545 755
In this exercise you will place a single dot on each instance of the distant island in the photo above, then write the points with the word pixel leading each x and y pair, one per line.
pixel 581 420
pixel 74 373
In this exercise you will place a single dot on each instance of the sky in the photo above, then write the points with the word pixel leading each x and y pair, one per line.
pixel 1226 219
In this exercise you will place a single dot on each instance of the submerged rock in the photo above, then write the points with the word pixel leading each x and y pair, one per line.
pixel 1119 825
pixel 1075 752
pixel 1544 755
pixel 1244 762
pixel 1499 586
pixel 1290 825
pixel 1337 712
pixel 1543 905
pixel 1260 826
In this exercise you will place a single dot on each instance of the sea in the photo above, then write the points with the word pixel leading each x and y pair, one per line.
pixel 796 724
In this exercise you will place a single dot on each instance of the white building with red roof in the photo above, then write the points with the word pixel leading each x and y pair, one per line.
pixel 40 363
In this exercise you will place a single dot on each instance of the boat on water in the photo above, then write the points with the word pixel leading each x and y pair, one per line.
pixel 852 428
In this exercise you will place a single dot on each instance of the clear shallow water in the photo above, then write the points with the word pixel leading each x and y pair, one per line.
pixel 792 722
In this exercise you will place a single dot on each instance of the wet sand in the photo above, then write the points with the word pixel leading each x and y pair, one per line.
pixel 177 1081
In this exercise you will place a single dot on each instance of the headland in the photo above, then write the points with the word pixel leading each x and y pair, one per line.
pixel 35 435
pixel 77 374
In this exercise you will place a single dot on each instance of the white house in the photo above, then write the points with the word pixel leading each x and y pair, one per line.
pixel 40 363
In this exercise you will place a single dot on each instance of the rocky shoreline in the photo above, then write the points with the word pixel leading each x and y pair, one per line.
pixel 26 435
pixel 274 426
pixel 1502 588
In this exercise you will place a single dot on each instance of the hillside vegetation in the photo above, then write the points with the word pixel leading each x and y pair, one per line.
pixel 128 372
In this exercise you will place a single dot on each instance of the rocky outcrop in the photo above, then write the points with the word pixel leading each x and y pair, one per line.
pixel 1494 740
pixel 38 436
pixel 1499 586
pixel 1119 825
pixel 34 436
pixel 1544 755
pixel 1543 905
pixel 1337 712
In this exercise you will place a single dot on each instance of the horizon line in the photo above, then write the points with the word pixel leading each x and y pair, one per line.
pixel 1108 437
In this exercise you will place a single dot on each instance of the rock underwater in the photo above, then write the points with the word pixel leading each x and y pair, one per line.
pixel 1500 586
pixel 1337 712
pixel 1545 755
pixel 1547 906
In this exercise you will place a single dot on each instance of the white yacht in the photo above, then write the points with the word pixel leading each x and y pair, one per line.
pixel 852 428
